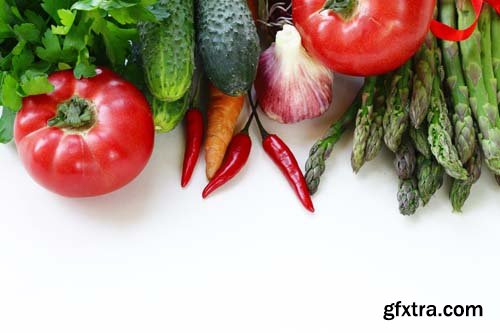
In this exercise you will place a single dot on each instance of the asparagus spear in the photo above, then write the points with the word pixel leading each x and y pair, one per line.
pixel 440 137
pixel 463 123
pixel 422 81
pixel 460 189
pixel 430 176
pixel 408 197
pixel 396 117
pixel 376 137
pixel 495 48
pixel 486 54
pixel 485 113
pixel 405 160
pixel 364 121
pixel 419 139
pixel 322 149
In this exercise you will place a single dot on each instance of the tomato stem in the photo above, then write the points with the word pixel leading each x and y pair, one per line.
pixel 344 8
pixel 75 113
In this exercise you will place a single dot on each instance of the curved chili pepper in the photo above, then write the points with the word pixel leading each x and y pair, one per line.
pixel 286 161
pixel 283 157
pixel 236 157
pixel 194 139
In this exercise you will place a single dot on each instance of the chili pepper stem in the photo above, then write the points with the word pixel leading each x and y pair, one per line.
pixel 263 133
pixel 248 124
pixel 195 98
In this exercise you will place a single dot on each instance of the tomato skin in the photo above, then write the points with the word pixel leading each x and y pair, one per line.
pixel 96 161
pixel 378 38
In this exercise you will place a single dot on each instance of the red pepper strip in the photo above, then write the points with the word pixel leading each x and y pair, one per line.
pixel 236 157
pixel 446 32
pixel 194 139
pixel 286 161
pixel 283 157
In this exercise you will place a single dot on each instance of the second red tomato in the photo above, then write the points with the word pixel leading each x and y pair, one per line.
pixel 363 37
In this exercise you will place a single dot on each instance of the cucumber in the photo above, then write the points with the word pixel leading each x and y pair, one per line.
pixel 167 115
pixel 167 49
pixel 228 44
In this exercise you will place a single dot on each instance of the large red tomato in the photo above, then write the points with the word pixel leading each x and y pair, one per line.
pixel 88 137
pixel 363 37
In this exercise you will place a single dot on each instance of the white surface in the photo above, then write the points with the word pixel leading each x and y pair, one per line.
pixel 155 258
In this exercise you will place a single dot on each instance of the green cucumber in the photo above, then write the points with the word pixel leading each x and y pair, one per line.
pixel 167 49
pixel 167 115
pixel 228 44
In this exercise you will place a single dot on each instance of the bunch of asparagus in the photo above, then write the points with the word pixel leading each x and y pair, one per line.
pixel 438 114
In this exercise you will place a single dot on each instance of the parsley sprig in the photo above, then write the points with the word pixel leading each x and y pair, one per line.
pixel 39 37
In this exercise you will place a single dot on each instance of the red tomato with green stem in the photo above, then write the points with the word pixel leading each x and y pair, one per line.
pixel 363 37
pixel 86 138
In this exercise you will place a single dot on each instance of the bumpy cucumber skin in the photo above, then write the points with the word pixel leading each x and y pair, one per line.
pixel 228 43
pixel 167 115
pixel 168 50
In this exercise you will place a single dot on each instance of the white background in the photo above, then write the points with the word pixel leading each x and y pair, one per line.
pixel 155 258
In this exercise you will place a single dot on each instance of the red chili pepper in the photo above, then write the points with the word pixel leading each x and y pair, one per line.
pixel 286 161
pixel 236 157
pixel 194 139
pixel 283 157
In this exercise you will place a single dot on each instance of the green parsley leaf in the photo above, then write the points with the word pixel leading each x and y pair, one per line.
pixel 78 36
pixel 117 41
pixel 5 63
pixel 87 5
pixel 51 50
pixel 5 31
pixel 16 14
pixel 36 19
pixel 22 62
pixel 19 48
pixel 35 83
pixel 67 18
pixel 52 6
pixel 6 124
pixel 84 70
pixel 27 32
pixel 9 96
pixel 63 66
pixel 5 12
pixel 131 15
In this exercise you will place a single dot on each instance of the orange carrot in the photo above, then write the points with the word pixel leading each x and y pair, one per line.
pixel 252 4
pixel 223 113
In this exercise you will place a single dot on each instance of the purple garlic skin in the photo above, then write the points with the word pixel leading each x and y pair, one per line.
pixel 290 85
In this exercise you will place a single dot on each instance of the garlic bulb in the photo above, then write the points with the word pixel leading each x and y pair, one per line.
pixel 292 86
